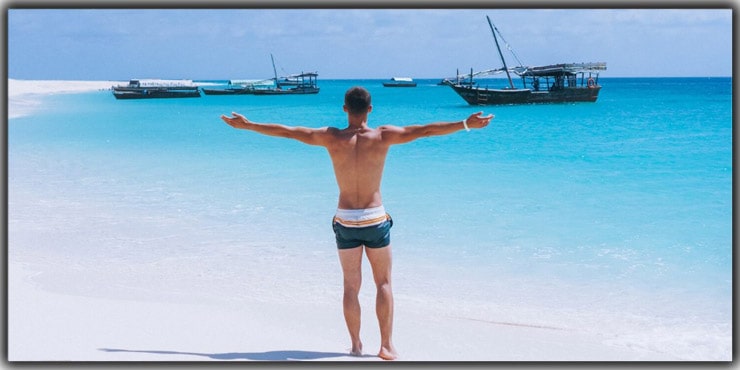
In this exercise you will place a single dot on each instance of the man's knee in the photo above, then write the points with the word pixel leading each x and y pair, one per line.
pixel 352 286
pixel 384 286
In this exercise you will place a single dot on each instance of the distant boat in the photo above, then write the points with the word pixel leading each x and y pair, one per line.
pixel 557 83
pixel 243 90
pixel 288 81
pixel 306 84
pixel 154 89
pixel 240 87
pixel 303 83
pixel 400 82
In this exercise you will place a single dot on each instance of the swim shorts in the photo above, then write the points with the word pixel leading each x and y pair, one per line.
pixel 370 227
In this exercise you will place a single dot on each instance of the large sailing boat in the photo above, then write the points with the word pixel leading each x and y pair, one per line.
pixel 556 83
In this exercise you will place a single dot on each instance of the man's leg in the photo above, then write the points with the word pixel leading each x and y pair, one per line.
pixel 380 261
pixel 351 261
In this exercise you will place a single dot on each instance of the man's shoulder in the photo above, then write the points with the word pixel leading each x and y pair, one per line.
pixel 385 128
pixel 327 131
pixel 389 131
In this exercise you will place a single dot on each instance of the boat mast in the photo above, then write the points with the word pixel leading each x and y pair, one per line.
pixel 511 83
pixel 274 70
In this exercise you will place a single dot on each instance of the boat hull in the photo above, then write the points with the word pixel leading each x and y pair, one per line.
pixel 483 96
pixel 293 91
pixel 399 84
pixel 155 93
pixel 228 91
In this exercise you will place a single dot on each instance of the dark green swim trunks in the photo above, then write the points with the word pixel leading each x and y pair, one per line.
pixel 369 227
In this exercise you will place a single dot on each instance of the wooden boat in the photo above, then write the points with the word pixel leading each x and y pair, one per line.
pixel 303 83
pixel 306 85
pixel 240 87
pixel 243 90
pixel 155 89
pixel 400 82
pixel 291 80
pixel 557 83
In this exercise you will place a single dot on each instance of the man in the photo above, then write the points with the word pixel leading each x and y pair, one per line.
pixel 358 154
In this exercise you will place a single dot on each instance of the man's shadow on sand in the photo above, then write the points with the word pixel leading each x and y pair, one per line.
pixel 253 356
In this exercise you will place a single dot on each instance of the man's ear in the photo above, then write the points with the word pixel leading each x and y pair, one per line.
pixel 344 107
pixel 369 108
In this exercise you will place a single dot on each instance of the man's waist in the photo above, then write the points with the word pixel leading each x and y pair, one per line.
pixel 361 217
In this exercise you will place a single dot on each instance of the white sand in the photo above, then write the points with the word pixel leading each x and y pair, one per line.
pixel 48 326
pixel 24 87
pixel 52 326
pixel 23 95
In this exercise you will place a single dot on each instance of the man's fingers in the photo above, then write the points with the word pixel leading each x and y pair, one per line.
pixel 486 118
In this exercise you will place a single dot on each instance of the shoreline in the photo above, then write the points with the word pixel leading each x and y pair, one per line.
pixel 24 96
pixel 17 88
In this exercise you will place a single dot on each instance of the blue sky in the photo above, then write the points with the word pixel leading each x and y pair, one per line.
pixel 109 44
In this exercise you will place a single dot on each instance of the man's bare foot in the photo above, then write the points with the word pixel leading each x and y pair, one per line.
pixel 356 350
pixel 388 353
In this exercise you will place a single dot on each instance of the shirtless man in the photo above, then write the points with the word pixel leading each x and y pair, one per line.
pixel 358 154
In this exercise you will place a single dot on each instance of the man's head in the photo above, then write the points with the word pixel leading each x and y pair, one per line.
pixel 357 101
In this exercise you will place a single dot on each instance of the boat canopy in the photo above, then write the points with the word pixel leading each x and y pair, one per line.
pixel 402 79
pixel 539 71
pixel 560 69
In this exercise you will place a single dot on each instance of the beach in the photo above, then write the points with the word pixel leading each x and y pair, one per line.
pixel 110 259
pixel 48 326
pixel 23 94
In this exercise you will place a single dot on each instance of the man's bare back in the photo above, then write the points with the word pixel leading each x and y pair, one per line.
pixel 358 156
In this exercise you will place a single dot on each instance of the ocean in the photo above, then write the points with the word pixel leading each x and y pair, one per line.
pixel 612 217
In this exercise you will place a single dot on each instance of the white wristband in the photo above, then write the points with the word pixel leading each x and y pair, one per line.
pixel 465 123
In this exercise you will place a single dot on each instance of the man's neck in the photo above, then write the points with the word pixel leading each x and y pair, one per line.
pixel 357 121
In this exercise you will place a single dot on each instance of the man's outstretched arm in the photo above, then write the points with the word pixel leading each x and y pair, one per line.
pixel 306 135
pixel 400 135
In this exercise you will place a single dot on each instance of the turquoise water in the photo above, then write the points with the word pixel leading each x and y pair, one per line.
pixel 618 200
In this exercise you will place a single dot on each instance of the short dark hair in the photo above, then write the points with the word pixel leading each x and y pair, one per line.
pixel 357 100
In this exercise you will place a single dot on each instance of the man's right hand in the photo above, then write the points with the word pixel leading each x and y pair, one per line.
pixel 475 120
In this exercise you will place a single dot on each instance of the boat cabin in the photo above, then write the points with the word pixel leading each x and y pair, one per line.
pixel 559 76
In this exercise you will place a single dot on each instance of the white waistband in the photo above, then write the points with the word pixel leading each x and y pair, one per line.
pixel 360 214
pixel 360 217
